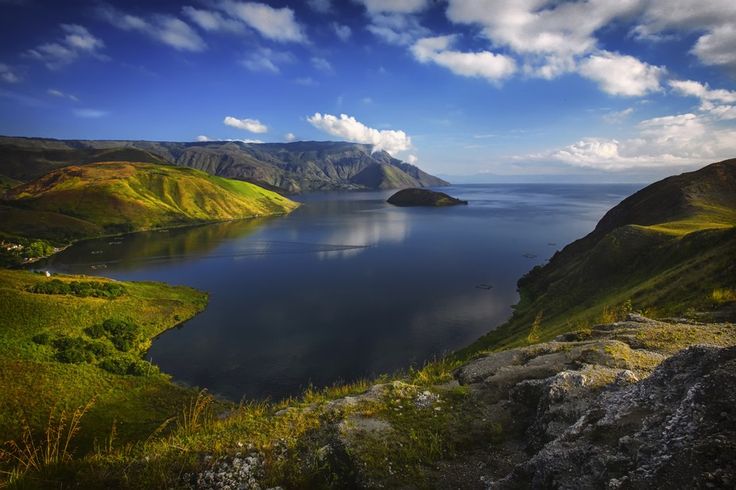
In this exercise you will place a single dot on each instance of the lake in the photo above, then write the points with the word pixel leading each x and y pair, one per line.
pixel 347 286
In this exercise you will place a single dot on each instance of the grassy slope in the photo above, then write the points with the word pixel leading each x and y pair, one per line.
pixel 33 382
pixel 121 197
pixel 667 250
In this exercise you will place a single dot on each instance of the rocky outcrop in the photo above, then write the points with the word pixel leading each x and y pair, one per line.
pixel 423 197
pixel 632 404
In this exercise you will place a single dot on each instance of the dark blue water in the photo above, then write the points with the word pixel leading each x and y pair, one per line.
pixel 347 286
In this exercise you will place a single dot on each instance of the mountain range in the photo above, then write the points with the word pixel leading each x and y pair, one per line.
pixel 285 167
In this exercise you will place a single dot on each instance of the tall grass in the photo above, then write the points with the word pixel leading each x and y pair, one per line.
pixel 196 414
pixel 29 453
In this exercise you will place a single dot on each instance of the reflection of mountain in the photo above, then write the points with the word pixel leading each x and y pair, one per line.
pixel 140 248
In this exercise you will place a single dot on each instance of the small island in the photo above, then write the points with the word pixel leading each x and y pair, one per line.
pixel 423 197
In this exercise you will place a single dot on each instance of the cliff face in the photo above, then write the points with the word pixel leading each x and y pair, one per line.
pixel 291 167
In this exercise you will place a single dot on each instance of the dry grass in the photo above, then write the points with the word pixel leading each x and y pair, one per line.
pixel 29 453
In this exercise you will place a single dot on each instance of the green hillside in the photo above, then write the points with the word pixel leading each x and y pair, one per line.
pixel 47 344
pixel 668 250
pixel 116 197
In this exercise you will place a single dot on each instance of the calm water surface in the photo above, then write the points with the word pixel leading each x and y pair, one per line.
pixel 347 286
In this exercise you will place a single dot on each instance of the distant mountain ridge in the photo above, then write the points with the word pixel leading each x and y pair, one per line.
pixel 288 167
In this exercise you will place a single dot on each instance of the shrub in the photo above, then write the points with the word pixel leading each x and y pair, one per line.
pixel 95 331
pixel 99 349
pixel 84 289
pixel 72 350
pixel 43 338
pixel 115 365
pixel 124 365
pixel 123 334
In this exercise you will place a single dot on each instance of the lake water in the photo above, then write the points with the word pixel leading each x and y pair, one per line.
pixel 347 286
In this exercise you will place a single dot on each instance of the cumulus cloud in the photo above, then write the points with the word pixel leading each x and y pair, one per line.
pixel 276 24
pixel 166 29
pixel 682 139
pixel 541 26
pixel 62 95
pixel 289 137
pixel 252 125
pixel 8 74
pixel 712 21
pixel 483 64
pixel 76 42
pixel 718 102
pixel 202 138
pixel 212 21
pixel 350 129
pixel 266 60
pixel 624 75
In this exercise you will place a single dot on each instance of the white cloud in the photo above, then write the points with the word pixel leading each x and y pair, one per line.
pixel 90 113
pixel 343 32
pixel 350 129
pixel 252 125
pixel 77 42
pixel 719 103
pixel 394 6
pixel 166 29
pixel 541 26
pixel 617 117
pixel 266 60
pixel 276 24
pixel 396 28
pixel 703 91
pixel 321 6
pixel 412 159
pixel 8 74
pixel 622 75
pixel 289 137
pixel 484 64
pixel 322 64
pixel 62 95
pixel 713 21
pixel 683 139
pixel 202 138
pixel 212 21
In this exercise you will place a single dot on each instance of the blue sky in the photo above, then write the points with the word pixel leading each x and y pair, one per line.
pixel 595 90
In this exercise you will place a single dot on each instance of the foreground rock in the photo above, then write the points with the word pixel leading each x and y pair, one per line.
pixel 632 404
pixel 423 197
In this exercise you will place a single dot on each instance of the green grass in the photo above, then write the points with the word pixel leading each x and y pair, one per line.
pixel 34 381
pixel 119 197
pixel 633 268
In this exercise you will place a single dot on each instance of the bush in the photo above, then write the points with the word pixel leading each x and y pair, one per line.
pixel 95 331
pixel 123 365
pixel 115 365
pixel 99 349
pixel 43 338
pixel 72 350
pixel 123 334
pixel 82 289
